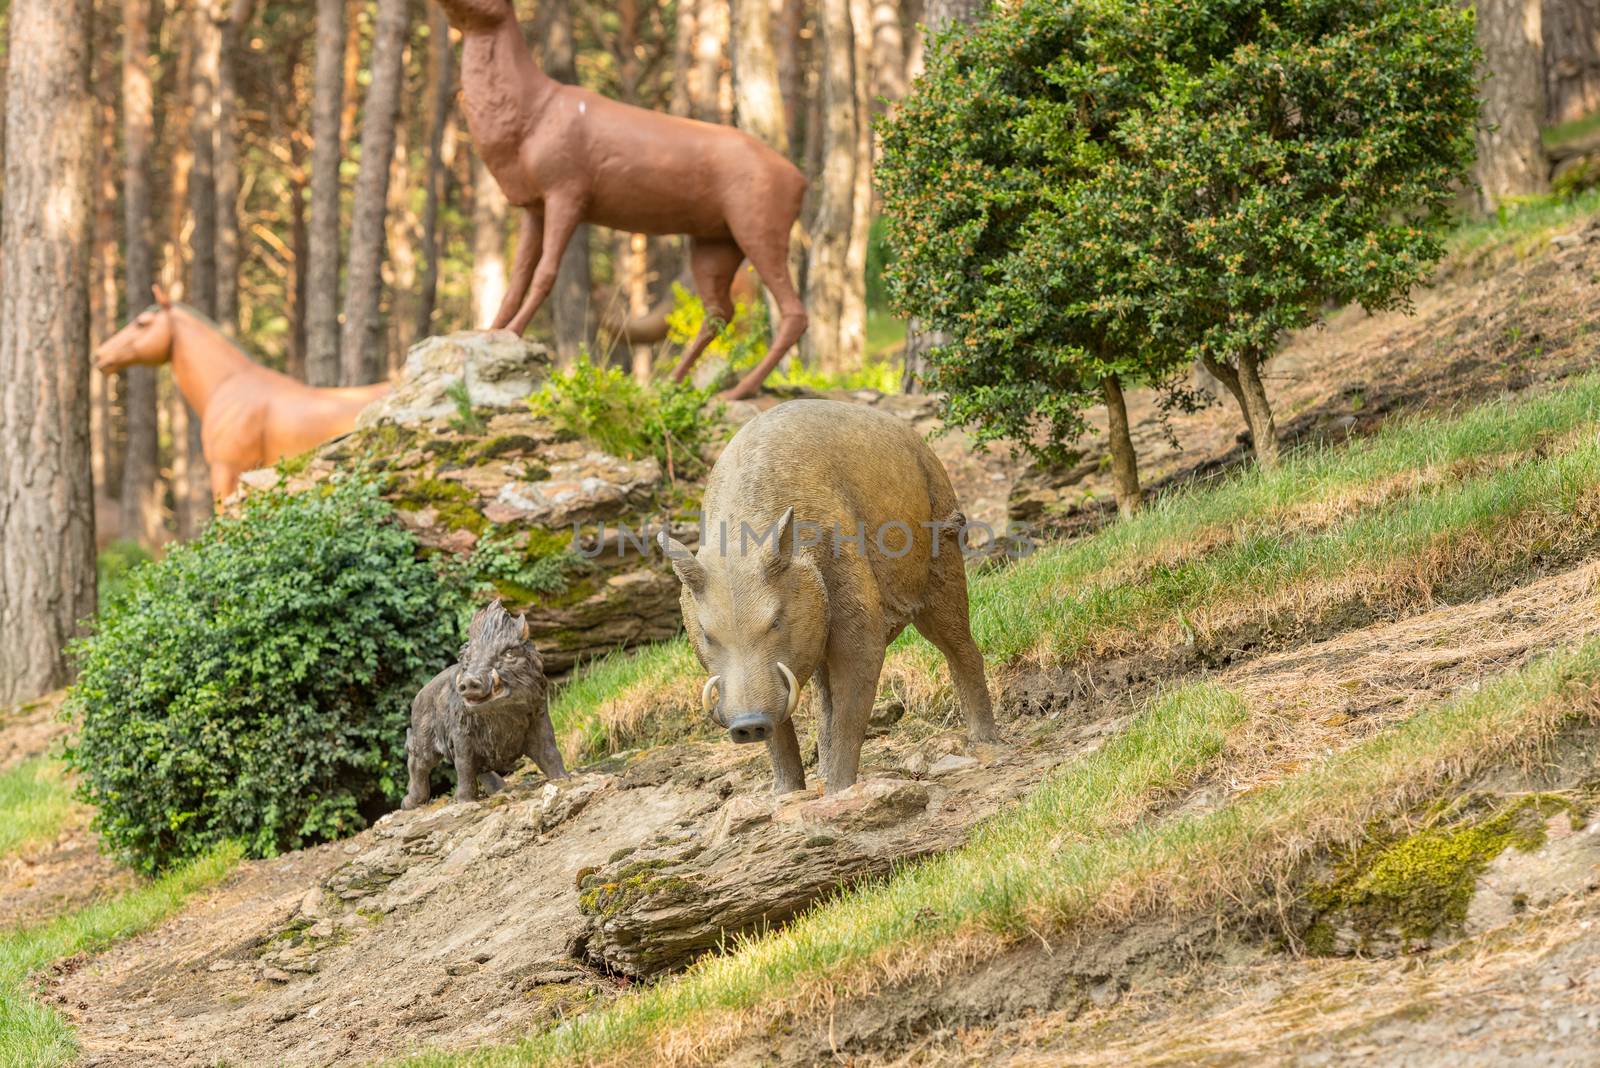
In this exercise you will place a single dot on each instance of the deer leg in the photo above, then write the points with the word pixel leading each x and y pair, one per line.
pixel 561 219
pixel 769 254
pixel 529 239
pixel 224 480
pixel 713 264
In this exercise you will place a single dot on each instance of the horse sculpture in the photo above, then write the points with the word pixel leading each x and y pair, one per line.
pixel 568 156
pixel 250 415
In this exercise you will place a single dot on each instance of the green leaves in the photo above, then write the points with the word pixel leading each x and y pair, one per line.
pixel 1113 187
pixel 256 683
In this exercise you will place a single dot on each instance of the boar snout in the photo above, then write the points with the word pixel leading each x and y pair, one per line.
pixel 475 688
pixel 750 727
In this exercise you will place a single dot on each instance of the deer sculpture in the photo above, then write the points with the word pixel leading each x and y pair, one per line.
pixel 250 415
pixel 567 156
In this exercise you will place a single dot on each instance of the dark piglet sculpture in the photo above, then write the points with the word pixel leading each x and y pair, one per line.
pixel 484 713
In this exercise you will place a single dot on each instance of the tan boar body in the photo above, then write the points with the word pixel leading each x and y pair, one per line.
pixel 828 527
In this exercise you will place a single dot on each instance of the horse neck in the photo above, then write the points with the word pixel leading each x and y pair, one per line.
pixel 498 69
pixel 202 359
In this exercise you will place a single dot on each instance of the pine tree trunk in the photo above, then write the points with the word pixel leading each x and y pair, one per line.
pixel 1511 158
pixel 827 270
pixel 236 18
pixel 442 85
pixel 788 49
pixel 888 55
pixel 569 302
pixel 938 16
pixel 853 320
pixel 1571 59
pixel 755 75
pixel 141 471
pixel 47 538
pixel 360 346
pixel 107 432
pixel 201 287
pixel 488 245
pixel 327 153
pixel 1124 461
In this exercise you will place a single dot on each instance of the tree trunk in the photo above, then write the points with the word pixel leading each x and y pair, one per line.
pixel 788 48
pixel 403 229
pixel 826 274
pixel 236 18
pixel 714 80
pixel 327 152
pixel 362 341
pixel 442 82
pixel 853 320
pixel 1124 461
pixel 1571 59
pixel 638 284
pixel 1511 158
pixel 47 554
pixel 938 16
pixel 1244 382
pixel 206 28
pixel 888 55
pixel 106 431
pixel 755 75
pixel 488 245
pixel 141 471
pixel 569 302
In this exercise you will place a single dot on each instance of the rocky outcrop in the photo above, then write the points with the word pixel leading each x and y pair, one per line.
pixel 473 472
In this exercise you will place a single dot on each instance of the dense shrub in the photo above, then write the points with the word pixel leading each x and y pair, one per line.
pixel 255 684
pixel 1081 194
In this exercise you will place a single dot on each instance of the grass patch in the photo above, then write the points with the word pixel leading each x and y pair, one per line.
pixel 35 1035
pixel 35 803
pixel 1522 225
pixel 1312 521
pixel 1068 858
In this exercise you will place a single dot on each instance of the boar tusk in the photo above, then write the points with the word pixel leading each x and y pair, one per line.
pixel 794 689
pixel 707 703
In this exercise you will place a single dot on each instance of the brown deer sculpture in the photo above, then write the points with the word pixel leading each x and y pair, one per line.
pixel 567 156
pixel 250 415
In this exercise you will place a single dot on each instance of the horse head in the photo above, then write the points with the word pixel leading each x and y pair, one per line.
pixel 145 341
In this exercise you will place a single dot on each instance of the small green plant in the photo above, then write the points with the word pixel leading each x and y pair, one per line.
pixel 466 420
pixel 254 684
pixel 516 573
pixel 604 405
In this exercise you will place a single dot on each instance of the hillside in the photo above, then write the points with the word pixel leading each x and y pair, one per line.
pixel 1298 767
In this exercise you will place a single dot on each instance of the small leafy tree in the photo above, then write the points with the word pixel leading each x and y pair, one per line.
pixel 255 684
pixel 1082 195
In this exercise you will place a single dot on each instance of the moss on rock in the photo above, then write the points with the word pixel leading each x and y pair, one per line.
pixel 1401 894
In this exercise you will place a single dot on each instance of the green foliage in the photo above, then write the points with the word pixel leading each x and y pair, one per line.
pixel 113 565
pixel 606 406
pixel 255 683
pixel 1076 191
pixel 742 341
pixel 519 574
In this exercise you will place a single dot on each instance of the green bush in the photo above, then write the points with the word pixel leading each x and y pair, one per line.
pixel 255 683
pixel 605 405
pixel 1081 194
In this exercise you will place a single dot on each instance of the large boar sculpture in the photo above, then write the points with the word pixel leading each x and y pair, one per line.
pixel 827 528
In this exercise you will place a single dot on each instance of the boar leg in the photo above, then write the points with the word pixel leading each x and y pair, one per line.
pixel 542 749
pixel 466 772
pixel 419 765
pixel 944 622
pixel 490 782
pixel 783 747
pixel 852 684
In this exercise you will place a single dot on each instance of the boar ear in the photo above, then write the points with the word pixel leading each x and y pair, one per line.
pixel 783 546
pixel 523 619
pixel 690 573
